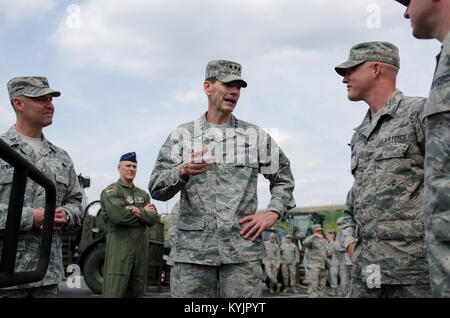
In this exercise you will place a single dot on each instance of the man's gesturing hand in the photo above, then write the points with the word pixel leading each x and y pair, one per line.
pixel 196 165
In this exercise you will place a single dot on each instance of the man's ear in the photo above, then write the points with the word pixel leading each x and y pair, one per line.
pixel 207 87
pixel 377 70
pixel 17 104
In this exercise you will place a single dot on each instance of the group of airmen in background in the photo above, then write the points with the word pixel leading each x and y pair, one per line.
pixel 284 258
pixel 324 259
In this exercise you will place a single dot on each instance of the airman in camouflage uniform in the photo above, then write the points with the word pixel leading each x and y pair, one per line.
pixel 290 256
pixel 305 266
pixel 272 262
pixel 31 98
pixel 333 265
pixel 317 258
pixel 384 206
pixel 214 161
pixel 429 19
pixel 345 263
pixel 127 212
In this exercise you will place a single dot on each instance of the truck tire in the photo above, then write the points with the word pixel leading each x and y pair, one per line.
pixel 93 268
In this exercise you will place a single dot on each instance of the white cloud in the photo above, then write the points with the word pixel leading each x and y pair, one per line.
pixel 172 37
pixel 7 114
pixel 190 97
pixel 7 118
pixel 17 11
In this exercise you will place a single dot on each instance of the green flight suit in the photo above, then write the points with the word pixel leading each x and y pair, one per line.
pixel 125 271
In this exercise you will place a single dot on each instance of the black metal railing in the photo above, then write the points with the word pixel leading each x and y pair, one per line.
pixel 23 169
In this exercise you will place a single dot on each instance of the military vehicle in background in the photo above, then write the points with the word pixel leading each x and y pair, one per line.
pixel 86 248
pixel 297 223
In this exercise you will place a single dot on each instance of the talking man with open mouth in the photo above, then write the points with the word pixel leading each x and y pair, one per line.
pixel 214 161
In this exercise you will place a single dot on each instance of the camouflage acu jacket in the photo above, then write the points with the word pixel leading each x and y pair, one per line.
pixel 273 253
pixel 57 165
pixel 384 206
pixel 212 203
pixel 289 253
pixel 341 252
pixel 317 254
pixel 439 99
pixel 437 175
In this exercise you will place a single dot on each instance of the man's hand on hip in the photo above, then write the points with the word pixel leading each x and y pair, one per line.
pixel 257 223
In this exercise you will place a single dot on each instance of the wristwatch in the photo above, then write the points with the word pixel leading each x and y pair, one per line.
pixel 67 221
pixel 130 208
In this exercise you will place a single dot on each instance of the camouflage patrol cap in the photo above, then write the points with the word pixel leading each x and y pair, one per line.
pixel 404 2
pixel 33 86
pixel 317 227
pixel 225 71
pixel 370 52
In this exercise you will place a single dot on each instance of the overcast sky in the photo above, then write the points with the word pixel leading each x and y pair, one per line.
pixel 131 71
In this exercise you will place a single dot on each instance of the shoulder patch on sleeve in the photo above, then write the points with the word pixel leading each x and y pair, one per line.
pixel 111 191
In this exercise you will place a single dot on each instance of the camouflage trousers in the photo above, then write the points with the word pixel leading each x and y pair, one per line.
pixel 361 290
pixel 345 275
pixel 289 272
pixel 243 280
pixel 271 271
pixel 317 278
pixel 333 276
pixel 48 291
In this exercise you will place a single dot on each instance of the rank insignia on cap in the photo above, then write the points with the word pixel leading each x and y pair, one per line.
pixel 233 69
pixel 111 191
pixel 130 200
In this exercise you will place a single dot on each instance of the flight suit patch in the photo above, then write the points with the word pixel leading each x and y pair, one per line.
pixel 139 200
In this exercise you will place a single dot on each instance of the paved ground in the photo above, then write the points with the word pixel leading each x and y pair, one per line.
pixel 84 292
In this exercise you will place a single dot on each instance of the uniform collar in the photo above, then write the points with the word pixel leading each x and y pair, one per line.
pixel 13 138
pixel 201 125
pixel 389 109
pixel 446 42
pixel 123 184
